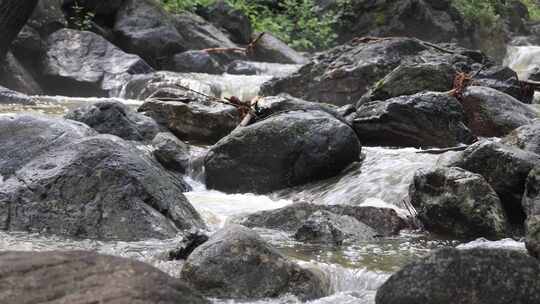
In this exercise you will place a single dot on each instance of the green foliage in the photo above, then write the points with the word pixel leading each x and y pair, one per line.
pixel 483 12
pixel 82 18
pixel 534 9
pixel 296 22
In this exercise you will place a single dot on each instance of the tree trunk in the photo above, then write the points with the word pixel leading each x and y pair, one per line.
pixel 13 16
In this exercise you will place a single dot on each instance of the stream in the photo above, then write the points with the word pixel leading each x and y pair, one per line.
pixel 356 270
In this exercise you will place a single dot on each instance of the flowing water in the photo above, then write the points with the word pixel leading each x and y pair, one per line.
pixel 356 270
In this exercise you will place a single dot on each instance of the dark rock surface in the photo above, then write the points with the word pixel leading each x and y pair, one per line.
pixel 171 152
pixel 113 117
pixel 85 278
pixel 8 96
pixel 451 276
pixel 531 206
pixel 271 49
pixel 234 21
pixel 284 150
pixel 525 137
pixel 237 263
pixel 421 120
pixel 82 63
pixel 457 203
pixel 191 240
pixel 195 62
pixel 16 77
pixel 505 168
pixel 48 17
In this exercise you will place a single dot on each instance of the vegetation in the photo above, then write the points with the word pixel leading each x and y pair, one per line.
pixel 82 18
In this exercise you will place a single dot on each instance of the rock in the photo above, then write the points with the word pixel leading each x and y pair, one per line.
pixel 16 77
pixel 234 21
pixel 48 17
pixel 198 33
pixel 190 242
pixel 324 227
pixel 166 84
pixel 531 207
pixel 281 151
pixel 38 134
pixel 505 168
pixel 195 62
pixel 237 263
pixel 86 277
pixel 271 49
pixel 421 120
pixel 384 221
pixel 144 28
pixel 410 79
pixel 114 117
pixel 28 47
pixel 171 152
pixel 83 63
pixel 491 113
pixel 506 80
pixel 457 203
pixel 98 187
pixel 474 276
pixel 341 75
pixel 525 137
pixel 8 96
pixel 193 118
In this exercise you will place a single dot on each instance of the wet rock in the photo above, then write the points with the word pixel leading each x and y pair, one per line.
pixel 491 113
pixel 98 187
pixel 531 206
pixel 190 242
pixel 114 117
pixel 193 118
pixel 83 63
pixel 385 221
pixel 199 34
pixel 48 17
pixel 144 28
pixel 234 21
pixel 271 49
pixel 421 120
pixel 494 276
pixel 324 227
pixel 16 77
pixel 8 96
pixel 195 62
pixel 343 74
pixel 171 152
pixel 284 150
pixel 37 134
pixel 28 47
pixel 86 277
pixel 504 79
pixel 457 203
pixel 505 168
pixel 525 137
pixel 411 79
pixel 237 263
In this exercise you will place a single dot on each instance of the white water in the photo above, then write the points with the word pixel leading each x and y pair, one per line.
pixel 525 60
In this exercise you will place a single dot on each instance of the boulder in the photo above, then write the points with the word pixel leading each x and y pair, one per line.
pixel 474 276
pixel 237 263
pixel 234 21
pixel 422 120
pixel 97 187
pixel 281 151
pixel 8 96
pixel 48 17
pixel 505 168
pixel 171 152
pixel 83 63
pixel 327 228
pixel 198 33
pixel 531 206
pixel 384 221
pixel 86 277
pixel 525 137
pixel 28 47
pixel 341 75
pixel 193 118
pixel 16 77
pixel 195 62
pixel 114 117
pixel 144 28
pixel 491 113
pixel 503 79
pixel 457 203
pixel 37 134
pixel 271 49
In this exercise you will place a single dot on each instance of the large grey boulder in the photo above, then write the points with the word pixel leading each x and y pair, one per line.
pixel 198 33
pixel 457 203
pixel 114 117
pixel 526 137
pixel 270 49
pixel 233 20
pixel 237 263
pixel 505 168
pixel 48 17
pixel 171 152
pixel 422 120
pixel 474 276
pixel 491 113
pixel 531 206
pixel 283 150
pixel 86 277
pixel 82 63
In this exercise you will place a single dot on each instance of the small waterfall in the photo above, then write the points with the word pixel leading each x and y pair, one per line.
pixel 525 60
